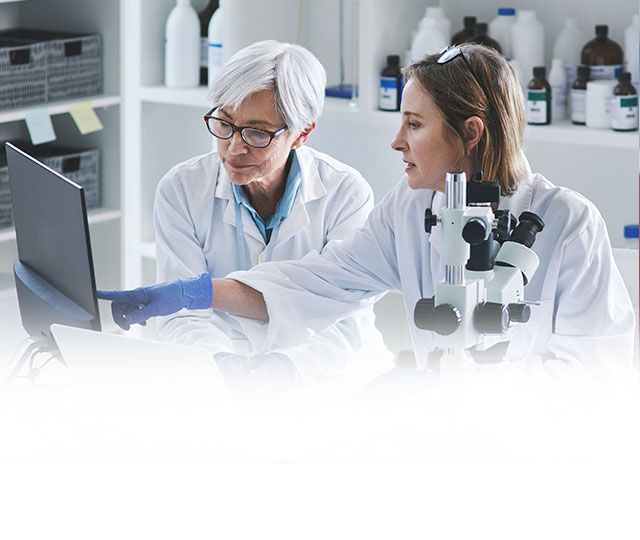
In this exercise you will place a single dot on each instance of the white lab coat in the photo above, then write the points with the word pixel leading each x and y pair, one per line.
pixel 195 224
pixel 584 306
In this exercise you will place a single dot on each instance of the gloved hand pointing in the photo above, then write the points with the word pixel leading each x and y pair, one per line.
pixel 139 305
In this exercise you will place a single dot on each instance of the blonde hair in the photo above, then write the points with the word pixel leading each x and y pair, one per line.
pixel 499 103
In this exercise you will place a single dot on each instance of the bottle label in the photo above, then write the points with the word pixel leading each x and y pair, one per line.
pixel 578 106
pixel 624 112
pixel 388 98
pixel 203 52
pixel 599 73
pixel 537 106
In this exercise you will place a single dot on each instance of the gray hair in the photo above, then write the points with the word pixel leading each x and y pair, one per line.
pixel 293 72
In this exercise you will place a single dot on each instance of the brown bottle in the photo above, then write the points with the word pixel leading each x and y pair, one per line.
pixel 539 98
pixel 603 55
pixel 624 105
pixel 390 94
pixel 481 37
pixel 466 33
pixel 579 96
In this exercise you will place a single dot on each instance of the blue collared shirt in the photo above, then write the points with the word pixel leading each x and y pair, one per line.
pixel 283 208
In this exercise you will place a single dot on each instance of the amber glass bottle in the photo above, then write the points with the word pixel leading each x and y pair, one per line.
pixel 481 37
pixel 466 33
pixel 624 105
pixel 579 96
pixel 602 55
pixel 539 98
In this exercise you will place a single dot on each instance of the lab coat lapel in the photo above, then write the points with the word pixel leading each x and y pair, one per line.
pixel 224 191
pixel 311 188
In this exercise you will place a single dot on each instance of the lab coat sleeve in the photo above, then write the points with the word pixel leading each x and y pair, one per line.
pixel 593 319
pixel 305 297
pixel 180 255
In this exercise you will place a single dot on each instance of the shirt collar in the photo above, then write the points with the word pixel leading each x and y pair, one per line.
pixel 285 204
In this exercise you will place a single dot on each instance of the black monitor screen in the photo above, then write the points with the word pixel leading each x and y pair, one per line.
pixel 52 234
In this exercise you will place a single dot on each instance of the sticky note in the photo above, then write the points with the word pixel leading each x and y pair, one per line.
pixel 40 126
pixel 85 117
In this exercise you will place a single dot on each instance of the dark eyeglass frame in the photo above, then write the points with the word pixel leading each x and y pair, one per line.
pixel 241 129
pixel 449 54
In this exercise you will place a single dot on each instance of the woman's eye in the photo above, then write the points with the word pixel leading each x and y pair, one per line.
pixel 413 125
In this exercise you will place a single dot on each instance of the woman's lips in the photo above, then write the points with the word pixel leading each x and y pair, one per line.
pixel 238 166
pixel 408 166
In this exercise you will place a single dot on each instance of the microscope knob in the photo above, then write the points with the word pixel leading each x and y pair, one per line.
pixel 519 313
pixel 474 231
pixel 421 312
pixel 430 220
pixel 491 318
pixel 444 319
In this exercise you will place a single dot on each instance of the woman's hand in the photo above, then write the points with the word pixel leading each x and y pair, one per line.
pixel 139 305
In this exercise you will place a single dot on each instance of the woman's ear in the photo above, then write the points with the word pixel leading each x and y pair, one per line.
pixel 304 135
pixel 473 129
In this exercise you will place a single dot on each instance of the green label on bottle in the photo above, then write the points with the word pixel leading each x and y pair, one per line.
pixel 629 102
pixel 536 95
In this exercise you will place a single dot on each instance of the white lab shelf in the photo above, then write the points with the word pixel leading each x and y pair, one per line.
pixel 195 97
pixel 163 126
pixel 98 215
pixel 60 107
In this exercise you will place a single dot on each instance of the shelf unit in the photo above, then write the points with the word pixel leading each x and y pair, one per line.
pixel 597 163
pixel 102 17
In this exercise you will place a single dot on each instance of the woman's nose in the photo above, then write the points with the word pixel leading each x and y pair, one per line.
pixel 398 144
pixel 237 144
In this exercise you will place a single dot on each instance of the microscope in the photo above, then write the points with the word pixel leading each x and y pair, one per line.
pixel 488 261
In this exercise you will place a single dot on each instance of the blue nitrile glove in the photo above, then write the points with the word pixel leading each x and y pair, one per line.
pixel 138 305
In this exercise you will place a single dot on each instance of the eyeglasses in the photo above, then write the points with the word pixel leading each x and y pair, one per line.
pixel 449 54
pixel 257 138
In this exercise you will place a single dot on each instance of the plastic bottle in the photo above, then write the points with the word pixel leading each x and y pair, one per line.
pixel 603 55
pixel 428 40
pixel 205 10
pixel 539 98
pixel 444 24
pixel 633 67
pixel 390 85
pixel 624 105
pixel 481 37
pixel 558 82
pixel 568 46
pixel 632 36
pixel 516 67
pixel 598 103
pixel 527 38
pixel 500 29
pixel 215 45
pixel 579 96
pixel 182 47
pixel 469 23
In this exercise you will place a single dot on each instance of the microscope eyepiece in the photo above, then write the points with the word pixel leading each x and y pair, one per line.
pixel 525 233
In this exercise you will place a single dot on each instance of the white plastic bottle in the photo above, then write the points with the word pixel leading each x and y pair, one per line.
pixel 500 29
pixel 516 67
pixel 215 56
pixel 633 67
pixel 558 83
pixel 527 39
pixel 182 47
pixel 444 24
pixel 428 40
pixel 632 36
pixel 568 46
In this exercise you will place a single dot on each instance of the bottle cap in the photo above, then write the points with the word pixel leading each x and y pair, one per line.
pixel 625 76
pixel 584 72
pixel 506 11
pixel 631 231
pixel 539 71
pixel 557 62
pixel 469 22
pixel 602 30
pixel 481 29
pixel 393 60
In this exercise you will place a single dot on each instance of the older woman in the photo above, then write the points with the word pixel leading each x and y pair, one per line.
pixel 461 110
pixel 262 196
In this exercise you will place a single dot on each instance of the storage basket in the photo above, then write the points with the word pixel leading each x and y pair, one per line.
pixel 23 73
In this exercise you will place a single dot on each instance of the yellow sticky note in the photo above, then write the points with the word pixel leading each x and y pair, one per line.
pixel 85 117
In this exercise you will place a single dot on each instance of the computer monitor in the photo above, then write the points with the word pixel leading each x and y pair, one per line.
pixel 54 275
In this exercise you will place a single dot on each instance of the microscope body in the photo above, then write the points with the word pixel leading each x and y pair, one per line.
pixel 486 269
